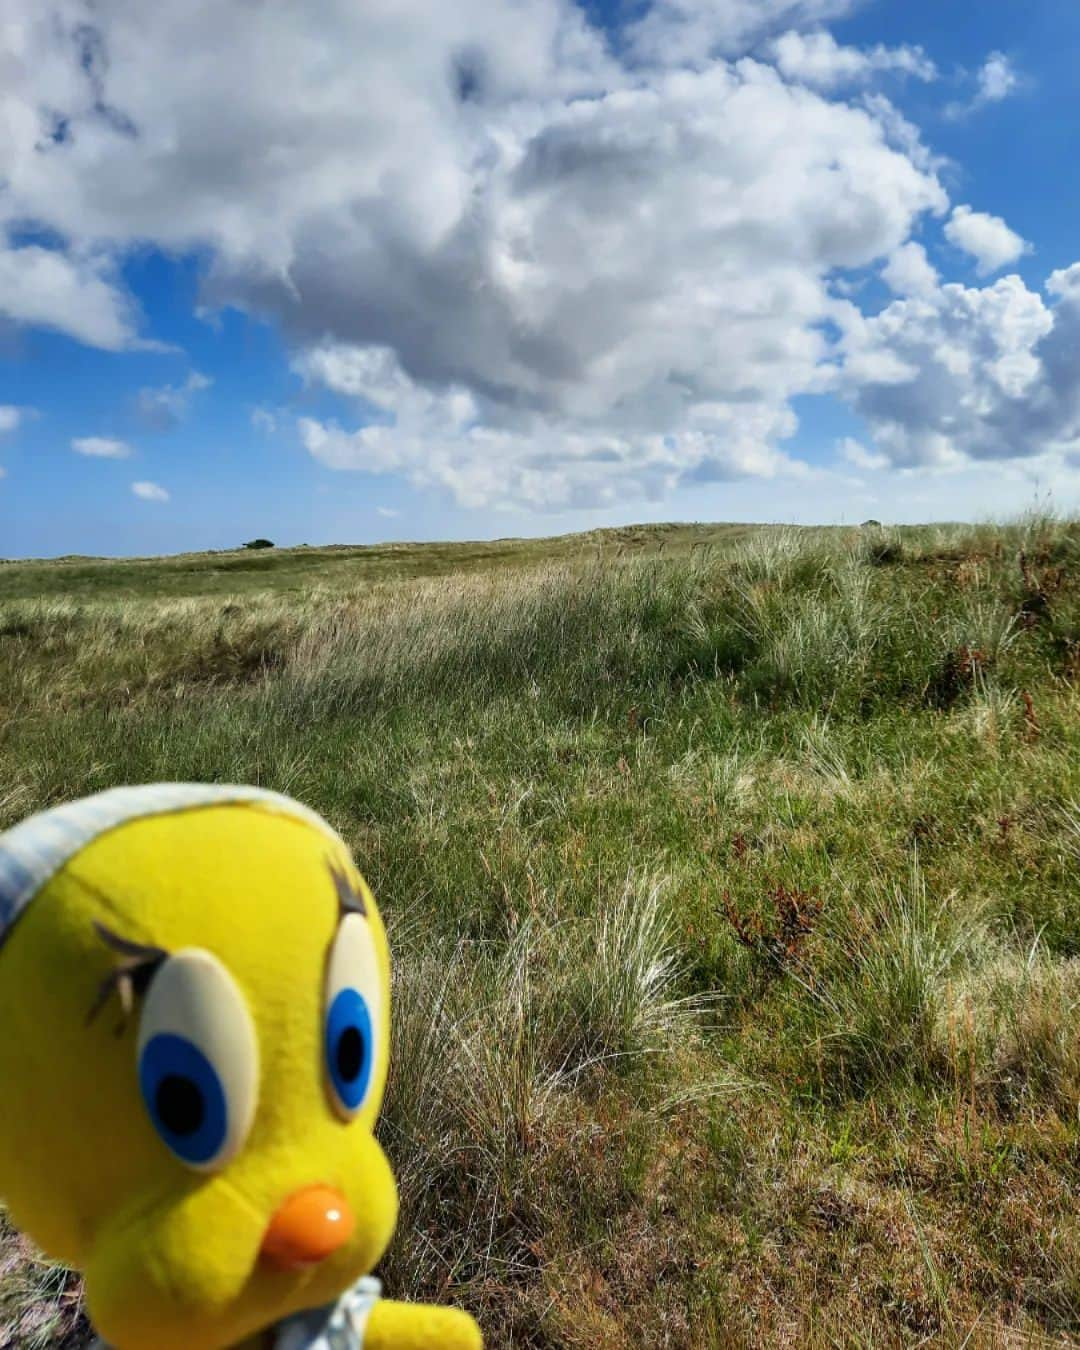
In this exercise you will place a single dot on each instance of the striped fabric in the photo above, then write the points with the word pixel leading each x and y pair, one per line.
pixel 38 847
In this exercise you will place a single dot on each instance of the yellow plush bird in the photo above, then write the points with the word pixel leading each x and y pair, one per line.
pixel 195 1012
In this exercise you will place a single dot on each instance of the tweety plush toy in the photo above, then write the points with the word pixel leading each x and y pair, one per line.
pixel 194 1027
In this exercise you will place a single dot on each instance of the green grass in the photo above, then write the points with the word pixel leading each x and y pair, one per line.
pixel 732 882
pixel 339 568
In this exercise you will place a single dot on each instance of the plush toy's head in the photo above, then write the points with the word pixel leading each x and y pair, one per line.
pixel 194 1003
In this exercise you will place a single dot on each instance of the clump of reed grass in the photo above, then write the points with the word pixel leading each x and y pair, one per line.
pixel 491 1041
pixel 873 1014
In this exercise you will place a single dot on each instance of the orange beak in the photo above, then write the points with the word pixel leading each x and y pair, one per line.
pixel 307 1228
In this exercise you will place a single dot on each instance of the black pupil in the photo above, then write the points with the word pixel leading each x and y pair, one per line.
pixel 350 1054
pixel 180 1105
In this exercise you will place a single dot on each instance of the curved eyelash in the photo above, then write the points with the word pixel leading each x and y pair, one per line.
pixel 131 978
pixel 350 900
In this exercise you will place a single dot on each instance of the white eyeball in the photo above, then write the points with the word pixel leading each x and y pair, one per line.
pixel 353 1012
pixel 198 1060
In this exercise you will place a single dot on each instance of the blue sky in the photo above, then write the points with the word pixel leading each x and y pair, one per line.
pixel 684 260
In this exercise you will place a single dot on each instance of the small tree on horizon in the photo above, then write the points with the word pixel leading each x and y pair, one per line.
pixel 259 543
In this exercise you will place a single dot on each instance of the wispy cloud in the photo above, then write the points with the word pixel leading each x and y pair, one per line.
pixel 819 60
pixel 163 407
pixel 262 419
pixel 856 453
pixel 101 447
pixel 11 417
pixel 387 511
pixel 150 492
pixel 996 79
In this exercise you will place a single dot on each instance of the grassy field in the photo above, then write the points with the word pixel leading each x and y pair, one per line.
pixel 732 877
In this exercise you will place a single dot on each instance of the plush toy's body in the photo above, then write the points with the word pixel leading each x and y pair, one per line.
pixel 194 997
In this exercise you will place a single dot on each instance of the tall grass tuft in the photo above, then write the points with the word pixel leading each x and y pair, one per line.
pixel 490 1041
pixel 875 1016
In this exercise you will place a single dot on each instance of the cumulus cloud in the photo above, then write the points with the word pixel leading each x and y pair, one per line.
pixel 682 32
pixel 622 267
pixel 969 373
pixel 986 238
pixel 818 59
pixel 546 269
pixel 101 447
pixel 165 407
pixel 149 492
pixel 75 295
pixel 544 461
pixel 909 271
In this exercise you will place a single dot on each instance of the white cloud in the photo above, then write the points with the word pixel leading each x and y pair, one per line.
pixel 165 407
pixel 344 109
pixel 997 78
pixel 10 417
pixel 75 295
pixel 979 374
pixel 101 447
pixel 544 462
pixel 856 453
pixel 613 271
pixel 387 511
pixel 150 492
pixel 619 270
pixel 262 419
pixel 908 271
pixel 688 31
pixel 986 238
pixel 818 59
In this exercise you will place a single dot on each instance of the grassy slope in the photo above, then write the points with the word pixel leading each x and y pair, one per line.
pixel 733 892
pixel 338 568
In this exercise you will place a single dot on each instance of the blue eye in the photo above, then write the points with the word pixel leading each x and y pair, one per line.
pixel 184 1097
pixel 349 1048
pixel 355 1018
pixel 198 1060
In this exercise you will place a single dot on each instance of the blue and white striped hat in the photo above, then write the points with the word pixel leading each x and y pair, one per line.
pixel 37 848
